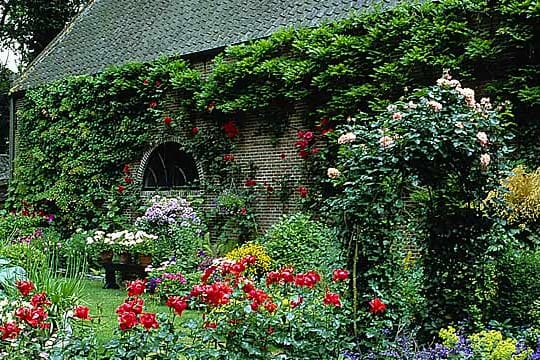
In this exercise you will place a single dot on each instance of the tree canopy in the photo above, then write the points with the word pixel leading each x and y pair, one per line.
pixel 27 26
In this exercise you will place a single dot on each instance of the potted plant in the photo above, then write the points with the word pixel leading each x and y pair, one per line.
pixel 144 246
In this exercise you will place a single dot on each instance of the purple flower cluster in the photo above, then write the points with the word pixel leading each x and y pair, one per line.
pixel 169 211
pixel 177 277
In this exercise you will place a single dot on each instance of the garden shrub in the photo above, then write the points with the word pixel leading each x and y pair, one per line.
pixel 18 226
pixel 298 241
pixel 519 271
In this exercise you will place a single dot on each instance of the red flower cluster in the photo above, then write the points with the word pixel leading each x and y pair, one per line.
pixel 228 157
pixel 258 297
pixel 34 316
pixel 309 279
pixel 39 300
pixel 152 104
pixel 167 120
pixel 286 276
pixel 230 129
pixel 340 275
pixel 25 287
pixel 283 276
pixel 177 303
pixel 376 306
pixel 130 314
pixel 194 131
pixel 305 139
pixel 302 191
pixel 9 330
pixel 250 182
pixel 126 170
pixel 331 298
pixel 121 188
pixel 136 287
pixel 82 312
pixel 215 294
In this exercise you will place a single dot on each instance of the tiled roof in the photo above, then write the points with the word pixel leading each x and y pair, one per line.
pixel 114 32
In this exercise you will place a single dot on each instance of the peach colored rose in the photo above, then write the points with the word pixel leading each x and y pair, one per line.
pixel 485 159
pixel 386 141
pixel 346 138
pixel 333 173
pixel 482 138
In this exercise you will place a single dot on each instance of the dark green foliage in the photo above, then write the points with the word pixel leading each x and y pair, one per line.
pixel 518 274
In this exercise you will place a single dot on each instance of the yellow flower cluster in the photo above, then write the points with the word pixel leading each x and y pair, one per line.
pixel 449 337
pixel 263 262
pixel 522 198
pixel 492 346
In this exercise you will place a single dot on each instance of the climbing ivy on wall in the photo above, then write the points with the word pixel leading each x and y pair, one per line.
pixel 77 134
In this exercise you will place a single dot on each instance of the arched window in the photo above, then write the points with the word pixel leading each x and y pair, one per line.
pixel 169 167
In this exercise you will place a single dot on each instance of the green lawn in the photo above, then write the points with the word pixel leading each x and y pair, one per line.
pixel 103 304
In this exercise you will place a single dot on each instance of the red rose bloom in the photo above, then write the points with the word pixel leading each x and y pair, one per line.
pixel 376 306
pixel 332 299
pixel 128 180
pixel 146 82
pixel 177 303
pixel 126 169
pixel 230 129
pixel 25 287
pixel 282 156
pixel 340 275
pixel 210 325
pixel 167 120
pixel 121 188
pixel 270 306
pixel 152 104
pixel 9 330
pixel 195 130
pixel 298 301
pixel 127 320
pixel 39 300
pixel 303 191
pixel 136 287
pixel 243 211
pixel 228 157
pixel 148 321
pixel 157 83
pixel 250 182
pixel 82 312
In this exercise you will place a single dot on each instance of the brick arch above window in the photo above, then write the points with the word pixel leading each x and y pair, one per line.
pixel 167 166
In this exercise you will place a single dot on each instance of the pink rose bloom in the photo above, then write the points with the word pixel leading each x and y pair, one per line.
pixel 386 141
pixel 482 138
pixel 397 116
pixel 435 105
pixel 346 138
pixel 485 159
